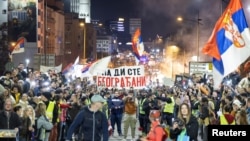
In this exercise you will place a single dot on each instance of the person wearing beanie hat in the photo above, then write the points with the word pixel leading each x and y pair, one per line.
pixel 154 114
pixel 46 95
pixel 92 118
pixel 51 110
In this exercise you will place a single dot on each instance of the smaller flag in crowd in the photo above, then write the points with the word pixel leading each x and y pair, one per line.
pixel 229 44
pixel 18 47
pixel 86 68
pixel 67 68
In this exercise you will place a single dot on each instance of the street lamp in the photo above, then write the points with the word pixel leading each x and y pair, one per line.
pixel 197 21
pixel 83 24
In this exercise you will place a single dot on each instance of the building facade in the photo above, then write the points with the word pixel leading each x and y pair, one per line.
pixel 82 8
pixel 134 23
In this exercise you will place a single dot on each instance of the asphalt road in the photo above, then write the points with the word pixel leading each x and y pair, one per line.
pixel 116 137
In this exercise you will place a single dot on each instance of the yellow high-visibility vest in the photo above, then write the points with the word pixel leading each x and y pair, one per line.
pixel 49 111
pixel 105 109
pixel 169 107
pixel 141 111
pixel 195 111
pixel 87 101
pixel 223 121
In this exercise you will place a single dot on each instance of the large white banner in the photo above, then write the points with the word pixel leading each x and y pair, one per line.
pixel 47 68
pixel 122 77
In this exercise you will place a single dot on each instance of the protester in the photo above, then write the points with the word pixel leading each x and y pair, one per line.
pixel 129 117
pixel 43 125
pixel 142 114
pixel 93 122
pixel 156 132
pixel 185 122
pixel 26 127
pixel 116 108
pixel 9 120
pixel 76 92
pixel 248 110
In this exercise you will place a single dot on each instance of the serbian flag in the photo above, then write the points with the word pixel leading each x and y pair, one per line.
pixel 68 68
pixel 229 44
pixel 137 44
pixel 86 68
pixel 18 47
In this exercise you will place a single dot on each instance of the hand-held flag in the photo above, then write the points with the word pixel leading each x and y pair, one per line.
pixel 229 44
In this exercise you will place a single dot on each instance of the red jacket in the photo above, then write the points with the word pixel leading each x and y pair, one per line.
pixel 156 132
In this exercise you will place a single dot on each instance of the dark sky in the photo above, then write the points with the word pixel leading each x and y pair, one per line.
pixel 159 16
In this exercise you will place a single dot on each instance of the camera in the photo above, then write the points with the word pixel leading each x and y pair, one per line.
pixel 180 123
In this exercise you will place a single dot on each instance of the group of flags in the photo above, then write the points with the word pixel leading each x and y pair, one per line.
pixel 228 45
pixel 73 67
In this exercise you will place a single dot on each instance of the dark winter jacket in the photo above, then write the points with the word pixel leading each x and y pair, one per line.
pixel 94 125
pixel 9 123
pixel 192 128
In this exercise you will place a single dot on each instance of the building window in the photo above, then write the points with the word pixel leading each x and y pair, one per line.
pixel 4 11
pixel 39 12
pixel 39 25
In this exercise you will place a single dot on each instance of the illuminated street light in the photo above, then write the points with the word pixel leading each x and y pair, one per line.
pixel 13 44
pixel 100 24
pixel 121 19
pixel 180 19
pixel 194 58
pixel 197 21
pixel 82 24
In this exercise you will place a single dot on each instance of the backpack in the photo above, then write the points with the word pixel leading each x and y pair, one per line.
pixel 165 136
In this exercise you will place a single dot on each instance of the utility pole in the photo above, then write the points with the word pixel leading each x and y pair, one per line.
pixel 198 37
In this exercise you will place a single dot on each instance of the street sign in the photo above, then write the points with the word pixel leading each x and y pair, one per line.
pixel 200 67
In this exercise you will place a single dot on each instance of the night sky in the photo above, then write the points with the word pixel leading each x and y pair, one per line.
pixel 159 16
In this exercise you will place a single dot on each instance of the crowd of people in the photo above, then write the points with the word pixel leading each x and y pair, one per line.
pixel 47 107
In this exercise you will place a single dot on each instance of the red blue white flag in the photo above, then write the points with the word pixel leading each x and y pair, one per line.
pixel 137 44
pixel 18 47
pixel 229 44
